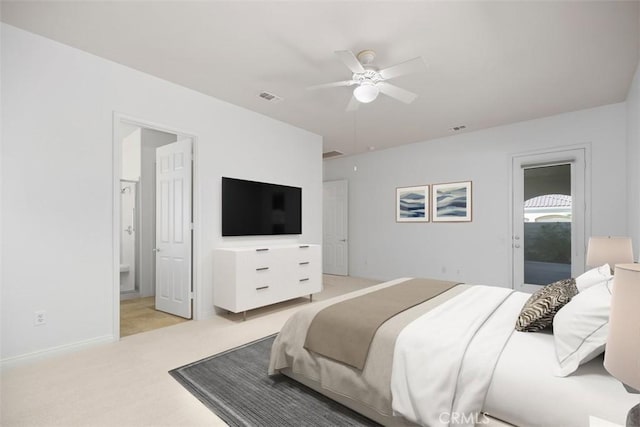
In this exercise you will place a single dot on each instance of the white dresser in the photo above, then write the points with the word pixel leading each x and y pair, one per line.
pixel 250 277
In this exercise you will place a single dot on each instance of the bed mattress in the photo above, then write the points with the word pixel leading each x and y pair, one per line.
pixel 525 392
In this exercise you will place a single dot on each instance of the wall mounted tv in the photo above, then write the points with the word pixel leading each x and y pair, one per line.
pixel 252 208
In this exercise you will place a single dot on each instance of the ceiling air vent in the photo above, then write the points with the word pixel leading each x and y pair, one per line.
pixel 457 128
pixel 268 96
pixel 330 154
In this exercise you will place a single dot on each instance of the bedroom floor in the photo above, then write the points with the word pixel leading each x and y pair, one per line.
pixel 126 383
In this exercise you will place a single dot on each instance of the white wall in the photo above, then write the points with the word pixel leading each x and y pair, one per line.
pixel 130 151
pixel 57 113
pixel 151 139
pixel 633 161
pixel 476 252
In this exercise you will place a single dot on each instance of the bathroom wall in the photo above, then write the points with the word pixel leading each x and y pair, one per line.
pixel 128 241
pixel 130 152
pixel 130 137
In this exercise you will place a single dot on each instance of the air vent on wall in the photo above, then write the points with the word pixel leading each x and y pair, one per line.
pixel 268 96
pixel 330 154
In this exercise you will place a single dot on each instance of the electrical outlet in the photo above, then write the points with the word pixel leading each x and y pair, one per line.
pixel 40 318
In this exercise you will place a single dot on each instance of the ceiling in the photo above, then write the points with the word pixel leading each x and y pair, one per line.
pixel 489 63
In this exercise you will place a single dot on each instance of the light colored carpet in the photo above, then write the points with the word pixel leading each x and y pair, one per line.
pixel 140 315
pixel 126 383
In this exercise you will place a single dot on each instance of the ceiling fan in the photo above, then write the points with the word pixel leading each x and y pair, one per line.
pixel 370 81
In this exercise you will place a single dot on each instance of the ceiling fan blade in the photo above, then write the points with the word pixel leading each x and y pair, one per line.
pixel 415 65
pixel 353 104
pixel 350 61
pixel 397 92
pixel 333 84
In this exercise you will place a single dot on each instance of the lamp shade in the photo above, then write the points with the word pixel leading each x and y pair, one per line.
pixel 366 92
pixel 622 354
pixel 609 250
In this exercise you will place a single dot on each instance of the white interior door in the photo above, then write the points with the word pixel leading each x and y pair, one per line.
pixel 173 228
pixel 335 243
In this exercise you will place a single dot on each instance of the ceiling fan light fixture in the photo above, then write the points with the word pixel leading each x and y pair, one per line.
pixel 366 92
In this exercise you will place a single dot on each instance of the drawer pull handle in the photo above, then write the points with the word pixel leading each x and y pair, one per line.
pixel 304 280
pixel 262 268
pixel 304 246
pixel 262 249
pixel 262 287
pixel 304 263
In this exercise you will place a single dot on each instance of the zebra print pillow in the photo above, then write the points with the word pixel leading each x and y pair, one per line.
pixel 540 308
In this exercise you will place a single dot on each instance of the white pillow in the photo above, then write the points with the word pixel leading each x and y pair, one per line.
pixel 580 327
pixel 593 277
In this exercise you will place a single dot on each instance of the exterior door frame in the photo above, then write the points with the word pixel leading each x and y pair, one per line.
pixel 567 154
pixel 118 119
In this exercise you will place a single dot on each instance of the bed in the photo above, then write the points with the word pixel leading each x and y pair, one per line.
pixel 515 386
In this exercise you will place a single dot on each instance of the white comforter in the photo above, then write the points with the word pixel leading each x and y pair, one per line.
pixel 444 360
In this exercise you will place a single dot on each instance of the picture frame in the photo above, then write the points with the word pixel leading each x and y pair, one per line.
pixel 412 204
pixel 452 202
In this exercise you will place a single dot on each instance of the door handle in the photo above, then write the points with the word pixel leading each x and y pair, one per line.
pixel 156 249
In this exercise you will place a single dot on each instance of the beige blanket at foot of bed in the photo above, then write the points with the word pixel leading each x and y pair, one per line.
pixel 371 386
pixel 328 336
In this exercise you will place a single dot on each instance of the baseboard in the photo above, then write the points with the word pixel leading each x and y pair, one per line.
pixel 23 359
pixel 129 295
pixel 206 314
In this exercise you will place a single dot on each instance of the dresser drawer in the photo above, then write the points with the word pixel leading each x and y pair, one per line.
pixel 256 259
pixel 259 295
pixel 305 269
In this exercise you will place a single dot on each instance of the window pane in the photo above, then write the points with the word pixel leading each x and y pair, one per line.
pixel 547 224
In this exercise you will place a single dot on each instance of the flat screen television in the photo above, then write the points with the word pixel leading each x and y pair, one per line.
pixel 252 208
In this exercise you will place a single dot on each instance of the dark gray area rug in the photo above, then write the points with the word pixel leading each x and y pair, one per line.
pixel 235 386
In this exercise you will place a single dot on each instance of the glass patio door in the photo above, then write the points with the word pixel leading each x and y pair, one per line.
pixel 548 218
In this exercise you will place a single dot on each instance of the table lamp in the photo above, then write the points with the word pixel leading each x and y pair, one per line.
pixel 609 250
pixel 622 353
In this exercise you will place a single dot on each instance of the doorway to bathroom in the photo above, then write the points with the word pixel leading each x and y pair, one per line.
pixel 155 230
